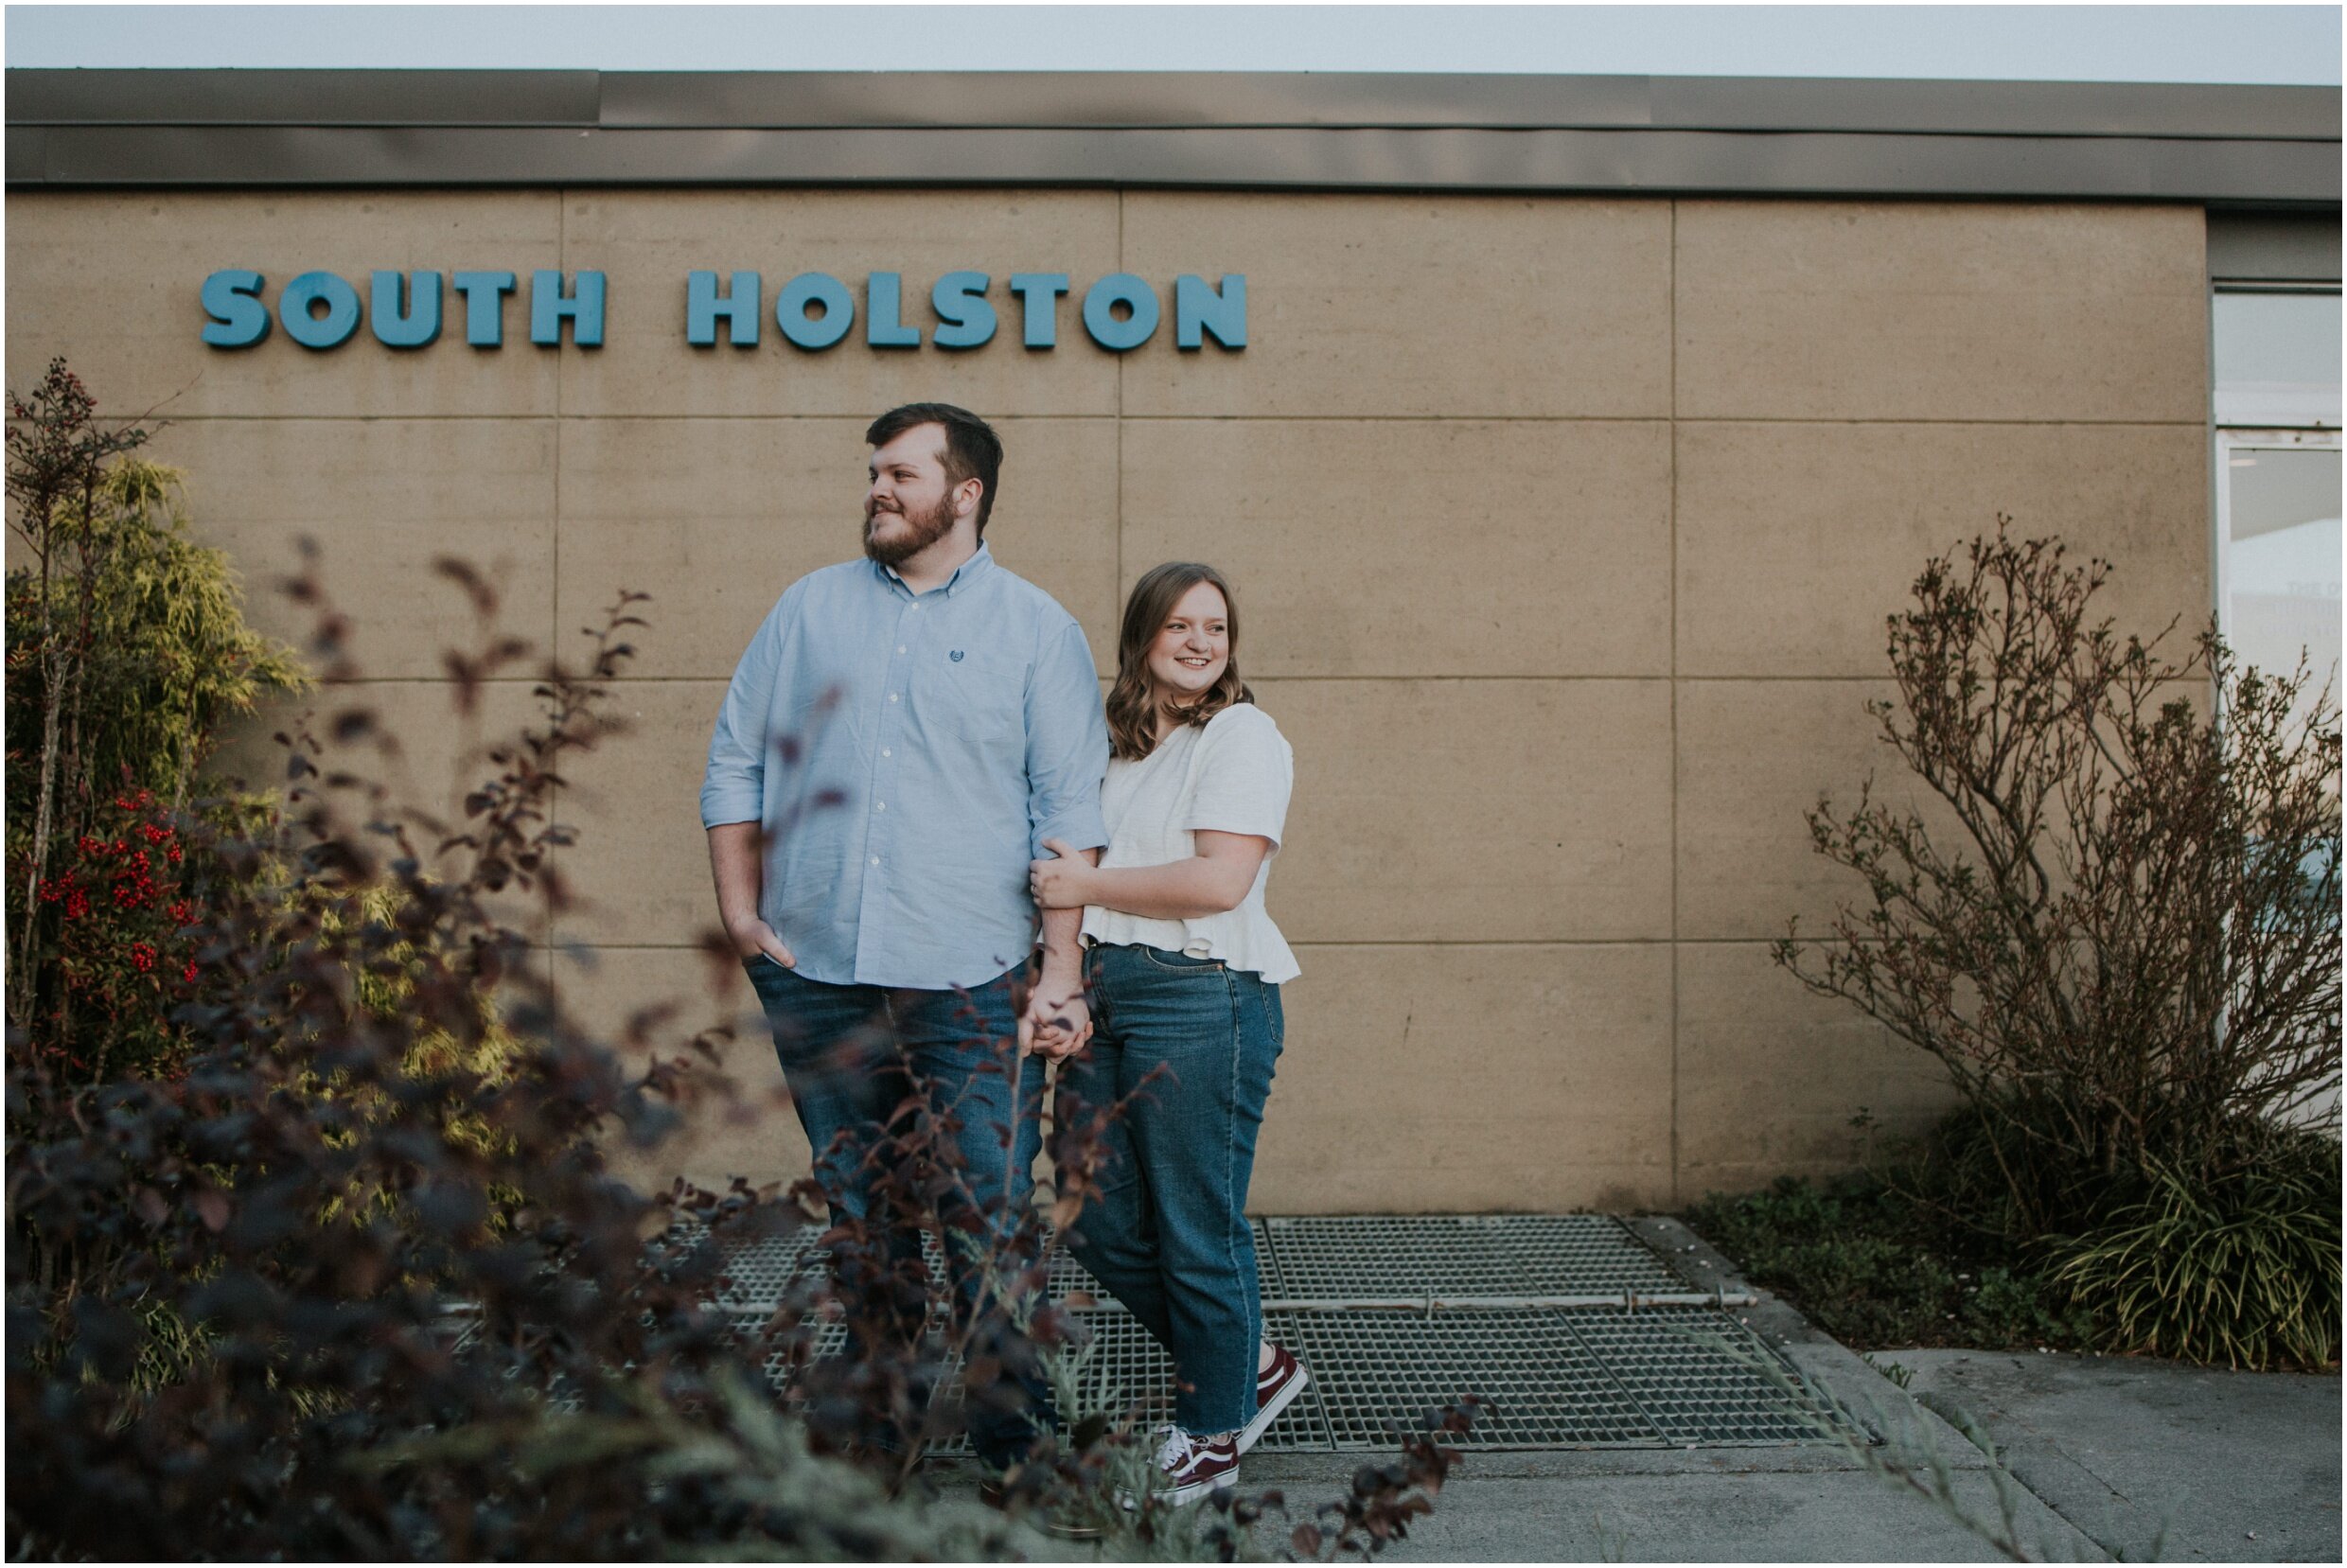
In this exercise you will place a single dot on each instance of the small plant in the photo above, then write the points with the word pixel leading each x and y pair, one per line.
pixel 1896 1375
pixel 2243 1270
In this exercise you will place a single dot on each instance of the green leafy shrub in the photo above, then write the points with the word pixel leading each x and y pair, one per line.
pixel 1875 1263
pixel 2242 1270
pixel 128 654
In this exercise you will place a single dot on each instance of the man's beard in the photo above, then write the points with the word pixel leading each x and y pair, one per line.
pixel 922 530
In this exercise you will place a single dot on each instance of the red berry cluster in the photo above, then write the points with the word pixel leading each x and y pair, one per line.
pixel 131 868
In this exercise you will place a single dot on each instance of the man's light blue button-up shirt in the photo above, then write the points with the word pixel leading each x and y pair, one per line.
pixel 908 755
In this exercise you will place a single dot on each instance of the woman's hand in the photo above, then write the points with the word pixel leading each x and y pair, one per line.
pixel 1062 884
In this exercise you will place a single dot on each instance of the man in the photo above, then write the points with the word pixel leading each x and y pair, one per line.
pixel 900 738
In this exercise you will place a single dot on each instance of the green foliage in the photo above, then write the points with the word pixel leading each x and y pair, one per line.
pixel 753 1466
pixel 1899 1375
pixel 128 653
pixel 1873 1265
pixel 2243 1270
pixel 168 658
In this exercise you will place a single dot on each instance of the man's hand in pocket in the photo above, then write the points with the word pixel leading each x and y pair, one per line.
pixel 754 936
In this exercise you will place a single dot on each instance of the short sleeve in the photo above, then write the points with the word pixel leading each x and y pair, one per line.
pixel 1246 771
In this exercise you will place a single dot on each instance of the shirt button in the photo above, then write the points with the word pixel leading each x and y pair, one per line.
pixel 880 805
pixel 886 752
pixel 900 648
pixel 891 696
pixel 916 604
pixel 876 860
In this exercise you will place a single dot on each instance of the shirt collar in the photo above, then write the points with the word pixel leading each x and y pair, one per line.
pixel 979 563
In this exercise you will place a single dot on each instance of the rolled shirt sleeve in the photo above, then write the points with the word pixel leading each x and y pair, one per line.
pixel 734 783
pixel 1067 745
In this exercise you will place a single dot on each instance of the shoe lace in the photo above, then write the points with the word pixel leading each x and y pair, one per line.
pixel 1175 1451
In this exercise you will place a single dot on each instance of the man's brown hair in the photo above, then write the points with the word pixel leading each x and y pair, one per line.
pixel 973 450
pixel 1132 717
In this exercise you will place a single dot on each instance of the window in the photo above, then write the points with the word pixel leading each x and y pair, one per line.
pixel 2278 477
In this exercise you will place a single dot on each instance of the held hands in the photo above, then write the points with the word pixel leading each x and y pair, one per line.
pixel 1057 1022
pixel 1062 884
pixel 752 936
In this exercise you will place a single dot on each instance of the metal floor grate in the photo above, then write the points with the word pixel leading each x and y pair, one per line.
pixel 1356 1257
pixel 1376 1369
pixel 1691 1372
pixel 1579 1376
pixel 760 1272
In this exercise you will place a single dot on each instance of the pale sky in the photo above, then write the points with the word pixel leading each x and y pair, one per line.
pixel 2279 45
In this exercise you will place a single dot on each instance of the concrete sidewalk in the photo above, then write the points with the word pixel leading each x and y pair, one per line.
pixel 2191 1464
pixel 2102 1458
pixel 2114 1458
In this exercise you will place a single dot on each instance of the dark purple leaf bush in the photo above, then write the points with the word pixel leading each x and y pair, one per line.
pixel 313 1247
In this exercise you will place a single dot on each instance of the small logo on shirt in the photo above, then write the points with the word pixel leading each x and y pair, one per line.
pixel 955 656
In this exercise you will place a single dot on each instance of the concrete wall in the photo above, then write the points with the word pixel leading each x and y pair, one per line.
pixel 1565 530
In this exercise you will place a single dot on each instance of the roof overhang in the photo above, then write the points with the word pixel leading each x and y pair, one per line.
pixel 2223 146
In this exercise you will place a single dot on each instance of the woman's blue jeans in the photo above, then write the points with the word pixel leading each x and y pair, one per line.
pixel 1166 1228
pixel 854 1056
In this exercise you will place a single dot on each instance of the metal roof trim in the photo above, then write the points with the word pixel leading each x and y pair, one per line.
pixel 1042 99
pixel 1625 135
pixel 1619 162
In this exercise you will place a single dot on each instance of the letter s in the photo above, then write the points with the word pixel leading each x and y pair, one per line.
pixel 232 299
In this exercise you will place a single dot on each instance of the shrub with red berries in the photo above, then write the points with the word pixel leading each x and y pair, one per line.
pixel 126 935
pixel 128 657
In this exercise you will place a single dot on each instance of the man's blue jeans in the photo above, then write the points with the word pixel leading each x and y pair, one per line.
pixel 856 1057
pixel 1167 1229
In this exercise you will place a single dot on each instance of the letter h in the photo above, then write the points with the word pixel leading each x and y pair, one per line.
pixel 703 305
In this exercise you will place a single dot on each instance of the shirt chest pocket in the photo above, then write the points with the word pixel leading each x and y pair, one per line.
pixel 955 684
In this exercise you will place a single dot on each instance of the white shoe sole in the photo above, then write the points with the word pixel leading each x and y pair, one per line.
pixel 1180 1495
pixel 1251 1433
pixel 1196 1489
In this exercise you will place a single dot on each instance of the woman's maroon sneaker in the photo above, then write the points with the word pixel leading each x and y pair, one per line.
pixel 1195 1466
pixel 1276 1388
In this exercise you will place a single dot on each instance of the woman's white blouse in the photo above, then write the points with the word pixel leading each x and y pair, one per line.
pixel 1233 776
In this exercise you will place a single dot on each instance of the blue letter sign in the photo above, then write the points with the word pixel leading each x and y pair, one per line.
pixel 1099 319
pixel 884 326
pixel 312 331
pixel 485 306
pixel 815 289
pixel 960 300
pixel 1223 313
pixel 549 306
pixel 1039 292
pixel 232 299
pixel 703 305
pixel 417 325
pixel 321 310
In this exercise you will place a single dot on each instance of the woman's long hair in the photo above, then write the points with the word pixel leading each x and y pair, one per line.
pixel 1132 719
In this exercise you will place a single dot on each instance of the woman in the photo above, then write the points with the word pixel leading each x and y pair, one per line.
pixel 1184 969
